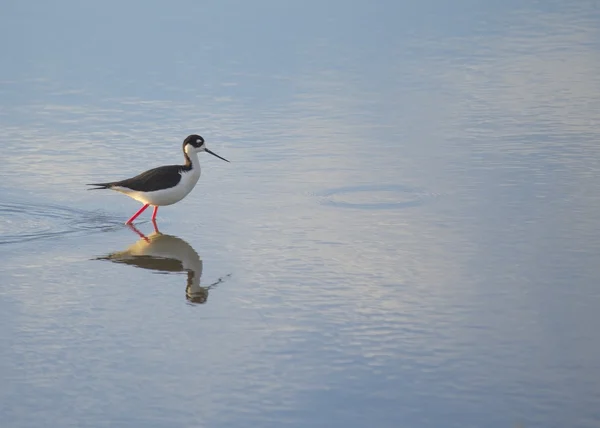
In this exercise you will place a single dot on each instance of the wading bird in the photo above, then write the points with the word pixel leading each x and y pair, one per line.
pixel 164 185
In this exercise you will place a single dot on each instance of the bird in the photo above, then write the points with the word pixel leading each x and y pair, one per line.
pixel 164 185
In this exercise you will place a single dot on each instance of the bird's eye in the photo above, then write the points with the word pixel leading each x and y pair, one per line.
pixel 199 141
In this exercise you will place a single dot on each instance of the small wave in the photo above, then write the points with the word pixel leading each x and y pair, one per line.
pixel 23 222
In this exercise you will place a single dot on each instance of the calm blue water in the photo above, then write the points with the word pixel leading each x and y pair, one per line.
pixel 407 235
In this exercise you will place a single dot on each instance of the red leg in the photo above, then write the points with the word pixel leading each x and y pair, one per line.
pixel 154 213
pixel 155 226
pixel 136 215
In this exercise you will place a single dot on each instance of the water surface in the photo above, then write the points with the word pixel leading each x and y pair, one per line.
pixel 407 234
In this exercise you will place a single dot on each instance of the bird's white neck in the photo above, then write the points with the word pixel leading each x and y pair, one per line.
pixel 191 156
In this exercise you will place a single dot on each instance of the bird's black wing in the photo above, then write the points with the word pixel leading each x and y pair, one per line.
pixel 159 178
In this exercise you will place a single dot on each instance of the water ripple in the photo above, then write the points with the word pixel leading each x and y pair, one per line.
pixel 375 197
pixel 23 222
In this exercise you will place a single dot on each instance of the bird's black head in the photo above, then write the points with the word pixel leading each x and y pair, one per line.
pixel 195 144
pixel 195 140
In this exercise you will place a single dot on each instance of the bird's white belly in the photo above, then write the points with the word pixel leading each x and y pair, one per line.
pixel 166 196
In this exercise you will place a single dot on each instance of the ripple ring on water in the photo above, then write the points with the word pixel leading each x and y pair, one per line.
pixel 375 197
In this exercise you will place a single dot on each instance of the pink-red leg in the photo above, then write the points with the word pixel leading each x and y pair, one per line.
pixel 137 214
pixel 154 213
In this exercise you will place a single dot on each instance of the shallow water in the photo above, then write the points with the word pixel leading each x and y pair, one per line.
pixel 407 234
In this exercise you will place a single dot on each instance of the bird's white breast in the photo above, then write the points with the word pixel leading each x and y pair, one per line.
pixel 166 196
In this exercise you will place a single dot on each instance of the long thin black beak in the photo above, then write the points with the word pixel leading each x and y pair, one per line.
pixel 214 154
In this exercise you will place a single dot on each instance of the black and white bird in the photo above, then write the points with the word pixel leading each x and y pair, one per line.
pixel 164 185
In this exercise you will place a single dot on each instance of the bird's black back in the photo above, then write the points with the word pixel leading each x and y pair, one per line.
pixel 163 177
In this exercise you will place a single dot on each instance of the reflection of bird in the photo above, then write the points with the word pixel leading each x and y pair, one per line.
pixel 164 185
pixel 166 253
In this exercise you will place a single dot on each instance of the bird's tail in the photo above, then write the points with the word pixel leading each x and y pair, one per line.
pixel 99 186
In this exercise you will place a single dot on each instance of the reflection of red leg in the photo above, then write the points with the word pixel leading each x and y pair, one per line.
pixel 136 215
pixel 154 213
pixel 141 235
pixel 155 226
